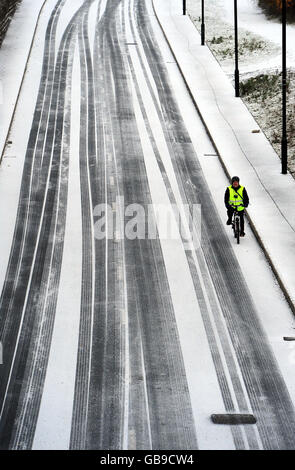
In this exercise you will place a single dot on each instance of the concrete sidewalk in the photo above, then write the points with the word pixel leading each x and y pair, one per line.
pixel 250 155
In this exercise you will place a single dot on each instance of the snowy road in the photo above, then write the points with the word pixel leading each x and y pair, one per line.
pixel 120 343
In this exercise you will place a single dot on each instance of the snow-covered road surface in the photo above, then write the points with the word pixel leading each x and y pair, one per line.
pixel 128 343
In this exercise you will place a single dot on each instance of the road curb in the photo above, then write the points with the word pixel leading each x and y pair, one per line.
pixel 251 223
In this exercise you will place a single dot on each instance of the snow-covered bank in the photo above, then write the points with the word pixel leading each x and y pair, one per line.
pixel 259 54
pixel 7 10
pixel 13 58
pixel 253 19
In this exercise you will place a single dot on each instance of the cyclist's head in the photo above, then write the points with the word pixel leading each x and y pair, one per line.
pixel 235 181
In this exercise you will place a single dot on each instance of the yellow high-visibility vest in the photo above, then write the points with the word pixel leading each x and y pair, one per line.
pixel 236 201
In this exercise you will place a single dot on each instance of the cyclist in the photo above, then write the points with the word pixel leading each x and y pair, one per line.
pixel 236 195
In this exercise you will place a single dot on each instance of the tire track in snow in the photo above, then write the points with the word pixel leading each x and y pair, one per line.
pixel 87 169
pixel 96 422
pixel 261 375
pixel 15 286
pixel 181 150
pixel 24 214
pixel 49 271
pixel 26 379
pixel 178 134
pixel 169 409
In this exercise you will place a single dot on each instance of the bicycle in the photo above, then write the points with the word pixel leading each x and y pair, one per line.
pixel 236 222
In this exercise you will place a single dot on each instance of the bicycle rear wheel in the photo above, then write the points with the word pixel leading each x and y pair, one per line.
pixel 237 229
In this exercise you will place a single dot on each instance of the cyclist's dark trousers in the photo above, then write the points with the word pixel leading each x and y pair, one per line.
pixel 230 212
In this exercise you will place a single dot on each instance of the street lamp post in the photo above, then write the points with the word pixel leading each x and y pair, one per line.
pixel 284 142
pixel 237 79
pixel 184 7
pixel 203 25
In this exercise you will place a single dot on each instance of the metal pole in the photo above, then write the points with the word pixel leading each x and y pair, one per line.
pixel 203 25
pixel 284 143
pixel 237 79
pixel 184 7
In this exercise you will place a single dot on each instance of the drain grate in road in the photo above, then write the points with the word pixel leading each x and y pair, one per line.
pixel 233 418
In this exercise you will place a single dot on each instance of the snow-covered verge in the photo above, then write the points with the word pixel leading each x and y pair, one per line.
pixel 14 53
pixel 259 66
pixel 262 95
